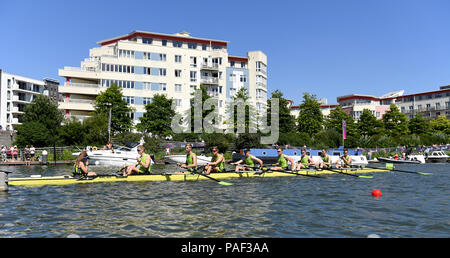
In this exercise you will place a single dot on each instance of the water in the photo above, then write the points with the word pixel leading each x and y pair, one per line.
pixel 337 206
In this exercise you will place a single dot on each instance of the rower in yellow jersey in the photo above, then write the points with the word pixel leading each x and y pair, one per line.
pixel 249 162
pixel 191 159
pixel 282 163
pixel 345 161
pixel 217 162
pixel 143 164
pixel 304 162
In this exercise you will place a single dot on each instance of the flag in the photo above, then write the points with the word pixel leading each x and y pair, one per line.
pixel 344 130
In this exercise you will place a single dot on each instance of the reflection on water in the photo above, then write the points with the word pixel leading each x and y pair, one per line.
pixel 337 206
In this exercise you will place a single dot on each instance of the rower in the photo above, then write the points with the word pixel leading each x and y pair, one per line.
pixel 304 162
pixel 282 161
pixel 345 161
pixel 249 162
pixel 325 160
pixel 217 162
pixel 143 164
pixel 80 168
pixel 191 159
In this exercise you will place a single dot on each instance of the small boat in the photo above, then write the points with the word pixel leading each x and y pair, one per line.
pixel 121 156
pixel 398 161
pixel 173 159
pixel 38 180
pixel 437 157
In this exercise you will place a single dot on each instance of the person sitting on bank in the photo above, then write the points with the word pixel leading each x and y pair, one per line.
pixel 249 162
pixel 282 163
pixel 143 164
pixel 345 161
pixel 81 167
pixel 325 160
pixel 304 162
pixel 217 162
pixel 191 159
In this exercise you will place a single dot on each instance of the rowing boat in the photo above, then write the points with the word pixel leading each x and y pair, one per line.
pixel 65 180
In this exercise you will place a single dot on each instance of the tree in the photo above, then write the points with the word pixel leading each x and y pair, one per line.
pixel 310 118
pixel 158 116
pixel 238 101
pixel 73 132
pixel 395 122
pixel 334 121
pixel 368 124
pixel 419 125
pixel 43 111
pixel 112 98
pixel 286 120
pixel 441 124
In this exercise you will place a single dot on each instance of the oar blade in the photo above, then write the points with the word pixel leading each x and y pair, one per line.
pixel 365 176
pixel 224 183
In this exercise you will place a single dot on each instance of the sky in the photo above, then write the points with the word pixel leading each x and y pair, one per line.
pixel 329 48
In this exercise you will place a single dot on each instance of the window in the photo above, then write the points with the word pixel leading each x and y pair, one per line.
pixel 428 106
pixel 147 40
pixel 419 107
pixel 128 99
pixel 177 43
pixel 193 61
pixel 203 46
pixel 146 101
pixel 164 42
pixel 193 88
pixel 193 76
pixel 438 106
pixel 192 45
pixel 177 73
pixel 243 78
pixel 178 88
pixel 158 87
pixel 232 63
pixel 232 77
pixel 178 102
pixel 177 59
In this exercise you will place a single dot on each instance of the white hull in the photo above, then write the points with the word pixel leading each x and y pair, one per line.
pixel 201 160
pixel 437 157
pixel 120 157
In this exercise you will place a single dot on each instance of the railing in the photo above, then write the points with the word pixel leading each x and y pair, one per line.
pixel 210 80
pixel 86 101
pixel 214 66
pixel 76 84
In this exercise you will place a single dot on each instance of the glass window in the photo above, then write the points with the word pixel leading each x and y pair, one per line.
pixel 164 42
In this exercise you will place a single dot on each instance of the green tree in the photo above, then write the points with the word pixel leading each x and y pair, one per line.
pixel 72 132
pixel 241 98
pixel 112 98
pixel 419 125
pixel 441 124
pixel 395 122
pixel 286 120
pixel 368 124
pixel 334 121
pixel 310 118
pixel 96 129
pixel 42 110
pixel 157 117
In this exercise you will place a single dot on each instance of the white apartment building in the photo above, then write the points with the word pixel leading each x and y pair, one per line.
pixel 15 93
pixel 147 63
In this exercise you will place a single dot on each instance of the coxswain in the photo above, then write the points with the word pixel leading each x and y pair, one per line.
pixel 304 162
pixel 282 162
pixel 191 159
pixel 345 161
pixel 81 166
pixel 143 164
pixel 249 162
pixel 217 162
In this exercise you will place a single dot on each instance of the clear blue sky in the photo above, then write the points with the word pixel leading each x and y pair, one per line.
pixel 328 48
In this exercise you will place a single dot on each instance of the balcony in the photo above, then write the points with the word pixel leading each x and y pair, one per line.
pixel 209 80
pixel 80 88
pixel 77 104
pixel 78 72
pixel 210 66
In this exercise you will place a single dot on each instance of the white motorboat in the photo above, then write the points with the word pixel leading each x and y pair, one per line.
pixel 173 159
pixel 437 157
pixel 121 156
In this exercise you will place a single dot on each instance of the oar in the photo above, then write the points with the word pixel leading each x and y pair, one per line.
pixel 340 172
pixel 5 171
pixel 294 173
pixel 195 171
pixel 390 166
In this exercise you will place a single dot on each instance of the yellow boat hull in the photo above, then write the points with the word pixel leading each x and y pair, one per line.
pixel 66 180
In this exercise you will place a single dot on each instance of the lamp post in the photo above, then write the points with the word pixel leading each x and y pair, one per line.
pixel 109 121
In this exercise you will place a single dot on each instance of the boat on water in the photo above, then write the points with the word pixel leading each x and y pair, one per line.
pixel 120 156
pixel 38 180
pixel 173 159
pixel 437 157
pixel 399 161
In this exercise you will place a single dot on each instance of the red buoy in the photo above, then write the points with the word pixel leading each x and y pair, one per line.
pixel 376 193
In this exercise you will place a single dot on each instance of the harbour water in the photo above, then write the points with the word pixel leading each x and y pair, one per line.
pixel 412 206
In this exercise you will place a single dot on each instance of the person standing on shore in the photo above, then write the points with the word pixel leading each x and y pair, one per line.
pixel 27 155
pixel 32 152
